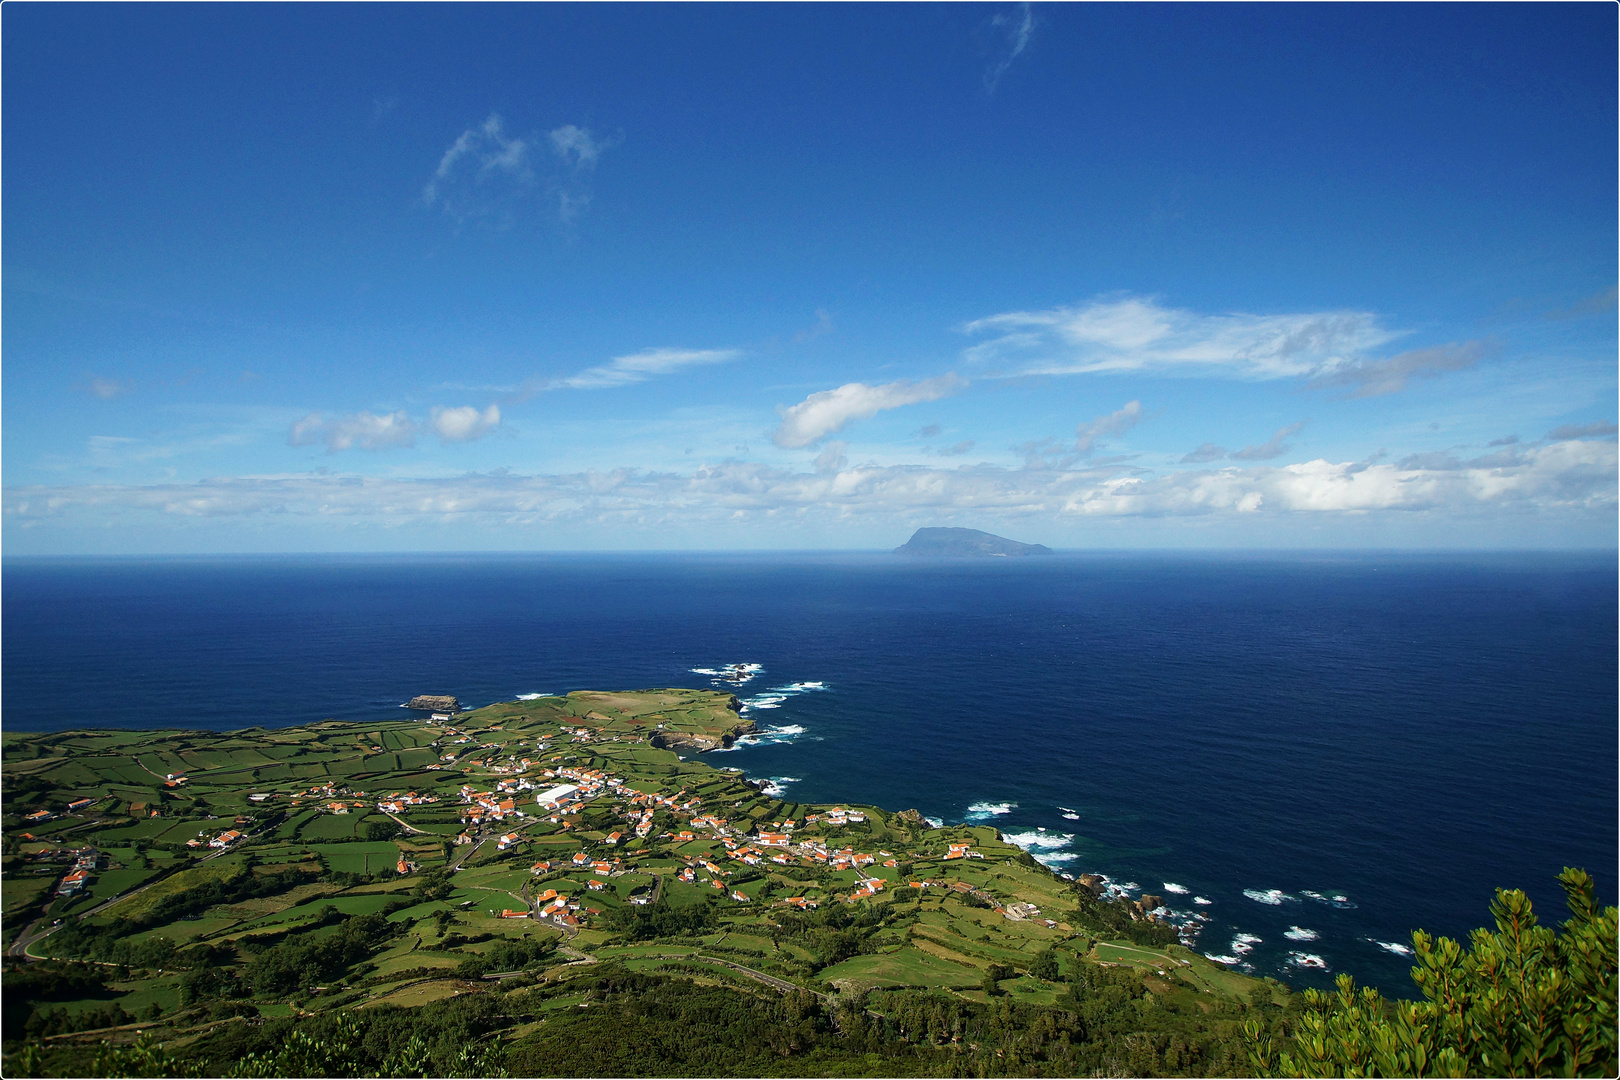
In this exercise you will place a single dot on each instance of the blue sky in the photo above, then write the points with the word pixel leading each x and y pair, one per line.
pixel 324 277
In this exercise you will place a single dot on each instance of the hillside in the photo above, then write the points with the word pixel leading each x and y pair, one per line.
pixel 238 887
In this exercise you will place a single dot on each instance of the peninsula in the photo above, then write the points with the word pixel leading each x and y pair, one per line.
pixel 960 543
pixel 475 882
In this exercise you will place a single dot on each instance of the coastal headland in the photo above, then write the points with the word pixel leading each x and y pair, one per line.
pixel 538 840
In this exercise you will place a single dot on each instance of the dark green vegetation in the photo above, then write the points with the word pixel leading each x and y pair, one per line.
pixel 663 918
pixel 965 543
pixel 1522 1000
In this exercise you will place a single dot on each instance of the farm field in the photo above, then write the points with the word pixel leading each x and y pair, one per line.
pixel 292 872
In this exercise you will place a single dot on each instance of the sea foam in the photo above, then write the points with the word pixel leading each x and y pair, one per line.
pixel 1274 897
pixel 1307 960
pixel 531 697
pixel 1038 839
pixel 1338 900
pixel 982 810
pixel 775 786
pixel 1172 887
pixel 1299 933
pixel 1392 947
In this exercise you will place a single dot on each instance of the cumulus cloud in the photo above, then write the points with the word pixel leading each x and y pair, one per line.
pixel 1573 477
pixel 1581 431
pixel 1136 334
pixel 832 458
pixel 1115 423
pixel 1373 378
pixel 826 412
pixel 1274 447
pixel 464 423
pixel 1017 27
pixel 363 429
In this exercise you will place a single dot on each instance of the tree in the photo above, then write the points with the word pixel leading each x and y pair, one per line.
pixel 1522 1001
pixel 1045 966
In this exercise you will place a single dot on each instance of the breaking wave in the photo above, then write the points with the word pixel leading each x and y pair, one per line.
pixel 769 736
pixel 1038 838
pixel 1299 933
pixel 531 697
pixel 1274 897
pixel 1392 947
pixel 1202 901
pixel 1048 858
pixel 1338 900
pixel 938 823
pixel 982 810
pixel 1172 887
pixel 1307 960
pixel 733 674
pixel 775 786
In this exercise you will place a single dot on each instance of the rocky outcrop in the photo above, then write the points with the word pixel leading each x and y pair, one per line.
pixel 913 818
pixel 435 703
pixel 1094 883
pixel 691 740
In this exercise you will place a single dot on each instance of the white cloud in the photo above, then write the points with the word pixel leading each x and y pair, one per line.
pixel 1018 29
pixel 1571 478
pixel 464 423
pixel 641 366
pixel 363 429
pixel 1134 334
pixel 1117 423
pixel 827 411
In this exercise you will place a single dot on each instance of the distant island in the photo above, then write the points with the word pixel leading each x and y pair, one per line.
pixel 965 543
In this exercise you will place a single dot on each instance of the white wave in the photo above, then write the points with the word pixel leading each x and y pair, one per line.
pixel 990 809
pixel 764 701
pixel 1067 809
pixel 777 785
pixel 1229 961
pixel 1047 858
pixel 799 688
pixel 938 823
pixel 1172 887
pixel 1307 960
pixel 1338 900
pixel 1299 933
pixel 531 697
pixel 736 674
pixel 1202 901
pixel 1274 897
pixel 1040 838
pixel 1393 947
pixel 1071 817
pixel 1244 944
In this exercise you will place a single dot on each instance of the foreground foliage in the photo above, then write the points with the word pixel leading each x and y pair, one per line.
pixel 1521 1001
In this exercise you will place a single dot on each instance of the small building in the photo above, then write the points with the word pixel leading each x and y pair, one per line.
pixel 80 804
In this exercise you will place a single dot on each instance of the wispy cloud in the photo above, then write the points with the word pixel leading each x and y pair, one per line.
pixel 1018 26
pixel 486 167
pixel 1373 378
pixel 1204 454
pixel 1600 428
pixel 106 389
pixel 477 154
pixel 641 366
pixel 1136 334
pixel 1116 423
pixel 577 146
pixel 1274 447
pixel 1602 303
pixel 826 412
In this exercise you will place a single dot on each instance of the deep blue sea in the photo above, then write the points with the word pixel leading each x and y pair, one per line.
pixel 1331 750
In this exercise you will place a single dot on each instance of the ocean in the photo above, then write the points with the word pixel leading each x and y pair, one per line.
pixel 1317 753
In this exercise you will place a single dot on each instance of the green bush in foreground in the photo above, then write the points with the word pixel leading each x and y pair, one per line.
pixel 1522 1001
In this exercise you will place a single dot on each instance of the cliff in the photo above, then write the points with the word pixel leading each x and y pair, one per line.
pixel 435 703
